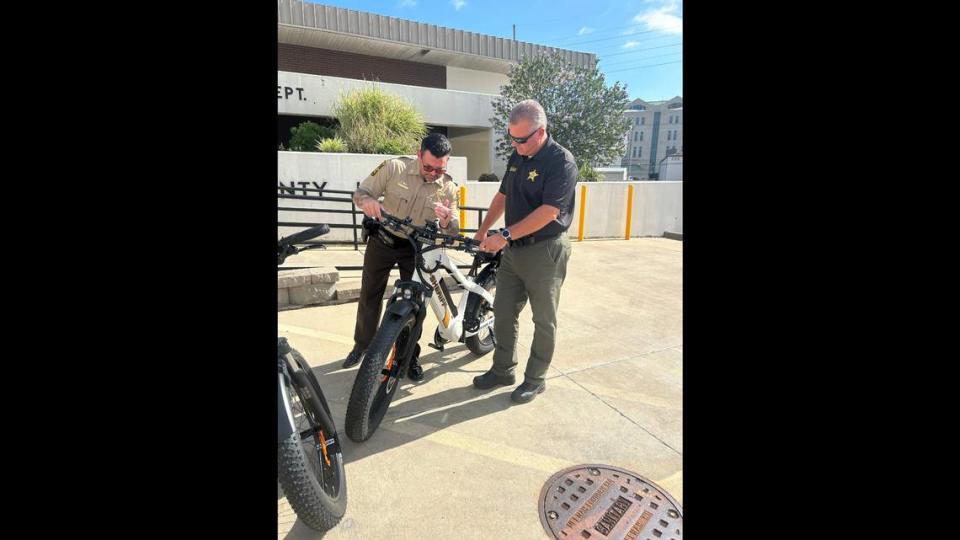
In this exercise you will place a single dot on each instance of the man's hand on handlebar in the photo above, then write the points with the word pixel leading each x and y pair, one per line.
pixel 493 244
pixel 372 208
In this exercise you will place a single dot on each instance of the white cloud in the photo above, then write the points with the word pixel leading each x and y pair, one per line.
pixel 408 3
pixel 630 44
pixel 585 30
pixel 667 18
pixel 457 4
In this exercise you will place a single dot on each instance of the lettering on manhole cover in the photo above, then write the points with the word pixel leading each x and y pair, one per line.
pixel 606 503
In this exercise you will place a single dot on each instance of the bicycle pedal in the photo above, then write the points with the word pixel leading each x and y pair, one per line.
pixel 393 372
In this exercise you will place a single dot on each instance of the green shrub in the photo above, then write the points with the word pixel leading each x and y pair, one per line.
pixel 373 121
pixel 335 144
pixel 304 137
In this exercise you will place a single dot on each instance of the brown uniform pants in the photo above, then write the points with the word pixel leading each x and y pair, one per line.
pixel 378 260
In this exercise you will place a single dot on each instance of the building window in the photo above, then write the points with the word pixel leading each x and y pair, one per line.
pixel 634 151
pixel 642 119
pixel 640 152
pixel 636 121
pixel 641 135
pixel 634 135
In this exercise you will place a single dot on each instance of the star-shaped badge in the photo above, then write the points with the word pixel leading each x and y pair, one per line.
pixel 533 176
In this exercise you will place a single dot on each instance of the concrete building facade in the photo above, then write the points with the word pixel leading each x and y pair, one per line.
pixel 451 76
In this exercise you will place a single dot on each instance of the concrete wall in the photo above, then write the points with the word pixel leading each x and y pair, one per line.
pixel 612 174
pixel 472 80
pixel 476 146
pixel 315 95
pixel 657 206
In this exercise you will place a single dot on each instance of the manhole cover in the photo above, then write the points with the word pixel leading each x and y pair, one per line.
pixel 604 502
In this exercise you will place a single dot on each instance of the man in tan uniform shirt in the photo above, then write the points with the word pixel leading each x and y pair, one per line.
pixel 417 188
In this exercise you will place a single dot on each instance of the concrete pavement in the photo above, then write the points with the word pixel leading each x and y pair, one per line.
pixel 450 461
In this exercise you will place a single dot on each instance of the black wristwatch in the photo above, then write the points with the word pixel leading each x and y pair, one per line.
pixel 505 233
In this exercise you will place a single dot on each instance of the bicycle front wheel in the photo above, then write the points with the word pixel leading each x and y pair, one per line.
pixel 372 390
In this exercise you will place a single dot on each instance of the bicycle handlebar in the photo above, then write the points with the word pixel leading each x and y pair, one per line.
pixel 428 234
pixel 287 246
pixel 304 235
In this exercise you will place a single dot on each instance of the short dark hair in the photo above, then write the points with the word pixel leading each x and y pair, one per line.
pixel 437 144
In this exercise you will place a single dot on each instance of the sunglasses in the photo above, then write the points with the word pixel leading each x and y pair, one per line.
pixel 430 169
pixel 521 140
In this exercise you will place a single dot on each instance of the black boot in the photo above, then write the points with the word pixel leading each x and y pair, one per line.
pixel 353 359
pixel 415 371
pixel 490 379
pixel 527 391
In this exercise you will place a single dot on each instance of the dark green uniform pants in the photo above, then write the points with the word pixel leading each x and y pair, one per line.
pixel 535 272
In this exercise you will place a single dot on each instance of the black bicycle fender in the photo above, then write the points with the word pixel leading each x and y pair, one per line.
pixel 401 308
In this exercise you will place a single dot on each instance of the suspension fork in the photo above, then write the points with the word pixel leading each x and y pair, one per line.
pixel 408 297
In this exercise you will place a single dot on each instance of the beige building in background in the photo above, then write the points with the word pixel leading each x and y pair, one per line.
pixel 656 131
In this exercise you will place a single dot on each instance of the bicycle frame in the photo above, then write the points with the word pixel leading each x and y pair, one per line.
pixel 449 316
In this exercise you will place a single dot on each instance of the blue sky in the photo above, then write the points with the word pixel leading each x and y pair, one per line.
pixel 638 42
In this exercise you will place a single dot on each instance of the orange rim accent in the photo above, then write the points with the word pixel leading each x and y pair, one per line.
pixel 323 446
pixel 393 356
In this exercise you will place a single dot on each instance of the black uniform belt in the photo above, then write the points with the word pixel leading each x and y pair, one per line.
pixel 392 240
pixel 530 240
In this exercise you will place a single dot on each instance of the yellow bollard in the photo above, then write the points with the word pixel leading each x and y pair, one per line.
pixel 463 202
pixel 629 210
pixel 583 207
